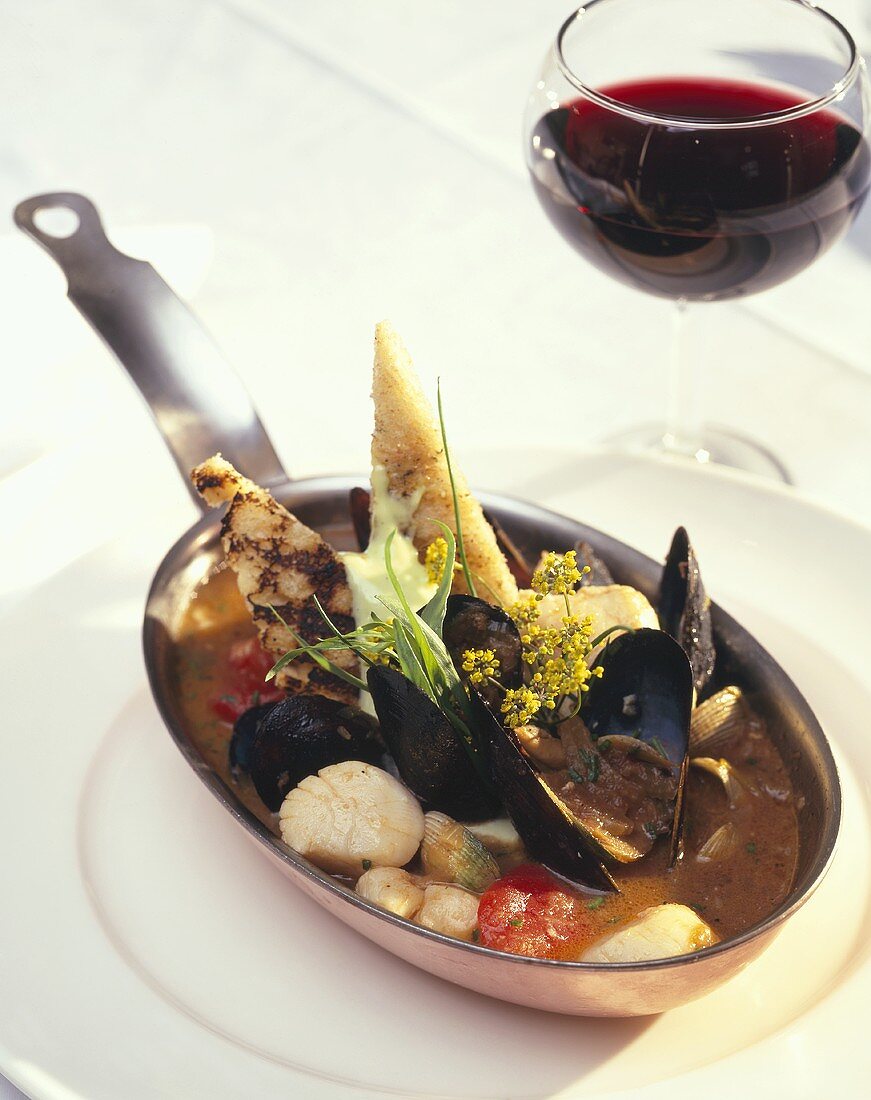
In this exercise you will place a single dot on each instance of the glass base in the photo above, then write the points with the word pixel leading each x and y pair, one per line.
pixel 714 445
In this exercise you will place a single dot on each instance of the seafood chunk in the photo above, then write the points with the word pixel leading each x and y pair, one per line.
pixel 607 605
pixel 393 889
pixel 407 444
pixel 351 816
pixel 280 562
pixel 449 910
pixel 657 933
pixel 545 749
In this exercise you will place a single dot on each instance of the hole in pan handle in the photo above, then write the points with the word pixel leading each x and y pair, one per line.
pixel 196 398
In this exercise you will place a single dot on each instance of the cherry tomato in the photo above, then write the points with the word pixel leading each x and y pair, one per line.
pixel 247 686
pixel 531 912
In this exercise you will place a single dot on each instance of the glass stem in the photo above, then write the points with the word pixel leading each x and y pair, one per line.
pixel 683 428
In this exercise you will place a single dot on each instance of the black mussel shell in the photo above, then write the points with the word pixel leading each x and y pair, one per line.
pixel 599 573
pixel 359 504
pixel 470 623
pixel 303 734
pixel 432 761
pixel 549 830
pixel 684 608
pixel 244 731
pixel 517 563
pixel 646 691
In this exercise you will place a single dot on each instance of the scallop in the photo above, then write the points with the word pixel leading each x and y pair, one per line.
pixel 393 889
pixel 719 721
pixel 449 910
pixel 450 853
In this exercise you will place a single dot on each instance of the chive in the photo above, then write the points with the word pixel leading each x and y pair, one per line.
pixel 461 548
pixel 650 829
pixel 596 903
pixel 752 761
pixel 751 847
pixel 476 935
pixel 575 775
pixel 516 922
pixel 655 743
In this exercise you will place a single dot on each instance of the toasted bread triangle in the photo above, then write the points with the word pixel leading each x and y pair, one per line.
pixel 407 443
pixel 280 563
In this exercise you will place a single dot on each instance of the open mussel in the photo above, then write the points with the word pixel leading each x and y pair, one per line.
pixel 431 759
pixel 551 833
pixel 470 623
pixel 684 608
pixel 304 733
pixel 646 693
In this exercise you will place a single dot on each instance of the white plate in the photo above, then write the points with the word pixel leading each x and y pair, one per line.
pixel 148 950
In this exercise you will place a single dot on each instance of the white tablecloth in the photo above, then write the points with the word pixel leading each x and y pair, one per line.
pixel 300 170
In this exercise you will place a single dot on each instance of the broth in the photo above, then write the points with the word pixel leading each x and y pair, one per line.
pixel 731 895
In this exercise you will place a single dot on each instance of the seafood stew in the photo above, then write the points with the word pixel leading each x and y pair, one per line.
pixel 709 848
pixel 732 895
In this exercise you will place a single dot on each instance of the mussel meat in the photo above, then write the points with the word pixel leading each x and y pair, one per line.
pixel 684 608
pixel 646 692
pixel 304 733
pixel 429 755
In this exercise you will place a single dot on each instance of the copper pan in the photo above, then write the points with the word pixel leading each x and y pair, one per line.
pixel 201 407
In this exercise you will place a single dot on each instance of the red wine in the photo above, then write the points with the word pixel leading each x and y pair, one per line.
pixel 702 214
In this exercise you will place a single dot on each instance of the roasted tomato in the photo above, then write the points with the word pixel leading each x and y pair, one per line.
pixel 248 663
pixel 531 912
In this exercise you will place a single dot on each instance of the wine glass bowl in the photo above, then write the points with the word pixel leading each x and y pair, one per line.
pixel 699 150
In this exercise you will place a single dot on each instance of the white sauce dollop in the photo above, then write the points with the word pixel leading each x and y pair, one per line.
pixel 367 572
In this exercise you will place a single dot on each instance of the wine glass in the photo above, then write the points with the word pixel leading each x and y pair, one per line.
pixel 700 150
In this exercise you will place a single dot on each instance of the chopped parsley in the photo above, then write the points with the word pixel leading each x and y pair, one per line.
pixel 516 922
pixel 752 761
pixel 595 903
pixel 751 847
pixel 650 829
pixel 655 743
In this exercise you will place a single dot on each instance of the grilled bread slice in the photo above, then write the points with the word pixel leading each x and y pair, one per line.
pixel 407 443
pixel 281 563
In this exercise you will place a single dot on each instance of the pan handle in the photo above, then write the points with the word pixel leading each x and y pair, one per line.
pixel 197 400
